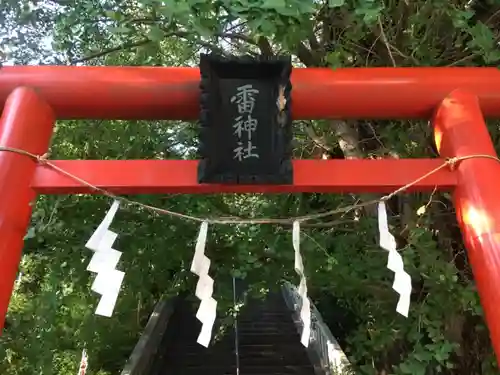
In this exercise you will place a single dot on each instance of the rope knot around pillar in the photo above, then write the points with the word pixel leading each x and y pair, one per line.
pixel 42 159
pixel 452 163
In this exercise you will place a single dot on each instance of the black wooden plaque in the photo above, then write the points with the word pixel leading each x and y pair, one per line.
pixel 245 120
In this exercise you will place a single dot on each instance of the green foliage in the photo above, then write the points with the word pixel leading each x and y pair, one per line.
pixel 51 312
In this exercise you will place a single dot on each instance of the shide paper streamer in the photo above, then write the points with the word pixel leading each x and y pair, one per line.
pixel 104 261
pixel 402 280
pixel 305 311
pixel 204 288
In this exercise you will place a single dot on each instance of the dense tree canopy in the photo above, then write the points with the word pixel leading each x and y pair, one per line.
pixel 51 316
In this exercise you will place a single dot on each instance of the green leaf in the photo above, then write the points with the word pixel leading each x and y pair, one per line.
pixel 371 15
pixel 167 11
pixel 423 356
pixel 491 57
pixel 181 7
pixel 274 4
pixel 112 15
pixel 176 10
pixel 288 11
pixel 334 59
pixel 305 7
pixel 202 30
pixel 119 30
pixel 413 368
pixel 30 233
pixel 263 25
pixel 335 3
pixel 482 37
pixel 155 34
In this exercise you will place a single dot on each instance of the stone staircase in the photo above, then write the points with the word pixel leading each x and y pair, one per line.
pixel 268 343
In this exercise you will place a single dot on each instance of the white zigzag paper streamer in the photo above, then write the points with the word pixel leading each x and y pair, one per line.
pixel 305 311
pixel 104 261
pixel 204 288
pixel 402 280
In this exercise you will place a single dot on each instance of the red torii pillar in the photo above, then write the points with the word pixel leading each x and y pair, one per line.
pixel 460 131
pixel 172 93
pixel 26 123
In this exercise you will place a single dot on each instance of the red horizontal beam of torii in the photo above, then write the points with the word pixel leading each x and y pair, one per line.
pixel 318 93
pixel 455 98
pixel 180 176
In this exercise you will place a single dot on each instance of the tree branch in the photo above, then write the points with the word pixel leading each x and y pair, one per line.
pixel 386 42
pixel 264 46
pixel 313 42
pixel 236 36
pixel 306 56
pixel 180 34
pixel 111 50
pixel 319 141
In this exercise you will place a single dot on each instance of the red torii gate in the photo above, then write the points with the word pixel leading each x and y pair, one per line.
pixel 455 98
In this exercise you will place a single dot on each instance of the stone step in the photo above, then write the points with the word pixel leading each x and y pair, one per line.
pixel 268 344
pixel 243 370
